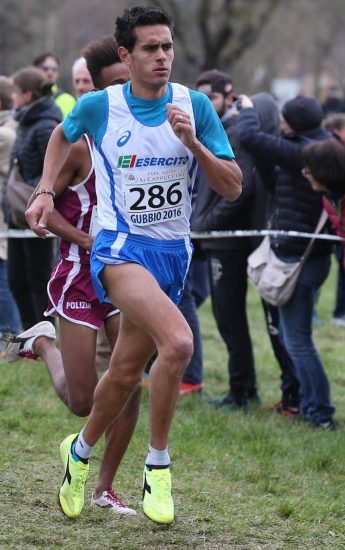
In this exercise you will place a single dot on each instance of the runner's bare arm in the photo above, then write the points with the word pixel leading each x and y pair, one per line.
pixel 56 155
pixel 73 171
pixel 224 176
pixel 62 228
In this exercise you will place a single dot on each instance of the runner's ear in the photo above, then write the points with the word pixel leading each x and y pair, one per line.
pixel 124 55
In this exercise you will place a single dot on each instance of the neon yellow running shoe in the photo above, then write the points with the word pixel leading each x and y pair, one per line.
pixel 71 494
pixel 158 504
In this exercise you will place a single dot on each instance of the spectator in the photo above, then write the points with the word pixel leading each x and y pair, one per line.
pixel 336 124
pixel 50 64
pixel 195 293
pixel 332 100
pixel 227 258
pixel 324 166
pixel 192 379
pixel 9 315
pixel 297 207
pixel 82 81
pixel 30 259
pixel 269 119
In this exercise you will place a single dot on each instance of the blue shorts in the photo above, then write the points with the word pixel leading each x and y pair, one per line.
pixel 167 260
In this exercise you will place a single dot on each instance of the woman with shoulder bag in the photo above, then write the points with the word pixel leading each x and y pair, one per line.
pixel 29 259
pixel 297 207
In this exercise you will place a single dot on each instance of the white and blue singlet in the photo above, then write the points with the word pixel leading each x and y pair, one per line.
pixel 144 177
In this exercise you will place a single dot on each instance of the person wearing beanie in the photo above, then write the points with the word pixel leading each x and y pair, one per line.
pixel 303 114
pixel 296 207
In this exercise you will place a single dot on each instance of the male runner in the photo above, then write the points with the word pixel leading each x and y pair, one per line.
pixel 149 135
pixel 72 298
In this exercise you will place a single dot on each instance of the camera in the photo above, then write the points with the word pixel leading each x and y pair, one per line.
pixel 238 104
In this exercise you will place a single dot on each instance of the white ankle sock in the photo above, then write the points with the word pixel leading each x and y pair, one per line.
pixel 81 448
pixel 157 458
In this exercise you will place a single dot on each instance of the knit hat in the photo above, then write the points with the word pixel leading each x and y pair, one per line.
pixel 214 81
pixel 303 113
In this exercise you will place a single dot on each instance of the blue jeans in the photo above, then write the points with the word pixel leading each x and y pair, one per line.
pixel 296 332
pixel 9 314
pixel 289 380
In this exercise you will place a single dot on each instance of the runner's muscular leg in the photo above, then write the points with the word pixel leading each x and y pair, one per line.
pixel 46 349
pixel 119 433
pixel 79 365
pixel 72 370
pixel 148 316
pixel 112 327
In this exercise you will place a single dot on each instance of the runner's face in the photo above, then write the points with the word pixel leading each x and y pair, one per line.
pixel 114 74
pixel 150 60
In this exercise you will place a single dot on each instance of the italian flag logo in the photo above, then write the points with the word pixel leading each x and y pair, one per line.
pixel 126 161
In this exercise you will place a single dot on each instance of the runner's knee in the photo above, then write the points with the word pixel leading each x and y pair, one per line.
pixel 126 377
pixel 80 406
pixel 179 350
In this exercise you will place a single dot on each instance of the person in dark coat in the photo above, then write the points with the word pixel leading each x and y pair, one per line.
pixel 30 259
pixel 296 207
pixel 262 205
pixel 227 258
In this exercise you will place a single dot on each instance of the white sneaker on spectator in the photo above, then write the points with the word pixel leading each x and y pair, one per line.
pixel 21 345
pixel 109 499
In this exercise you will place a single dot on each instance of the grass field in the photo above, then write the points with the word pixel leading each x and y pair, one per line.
pixel 241 481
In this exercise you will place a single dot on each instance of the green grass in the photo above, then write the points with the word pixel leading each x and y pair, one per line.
pixel 251 481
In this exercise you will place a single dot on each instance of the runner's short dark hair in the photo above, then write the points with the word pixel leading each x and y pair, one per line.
pixel 99 54
pixel 138 16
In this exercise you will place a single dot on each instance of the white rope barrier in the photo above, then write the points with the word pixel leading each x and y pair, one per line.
pixel 20 234
pixel 263 232
pixel 28 234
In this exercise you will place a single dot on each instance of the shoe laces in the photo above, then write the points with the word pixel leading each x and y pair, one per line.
pixel 114 499
pixel 164 486
pixel 78 481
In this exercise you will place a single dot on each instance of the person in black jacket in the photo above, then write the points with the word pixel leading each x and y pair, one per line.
pixel 296 207
pixel 269 120
pixel 30 259
pixel 227 258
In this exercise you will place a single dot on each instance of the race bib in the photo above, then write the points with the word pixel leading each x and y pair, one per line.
pixel 154 196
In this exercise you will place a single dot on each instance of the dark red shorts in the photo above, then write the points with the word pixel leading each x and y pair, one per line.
pixel 71 295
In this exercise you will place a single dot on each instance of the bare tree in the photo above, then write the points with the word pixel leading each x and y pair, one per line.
pixel 223 29
pixel 13 33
